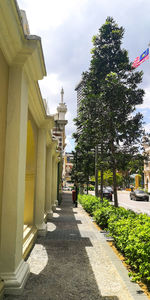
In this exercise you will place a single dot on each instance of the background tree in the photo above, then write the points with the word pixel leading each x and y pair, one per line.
pixel 111 94
pixel 83 163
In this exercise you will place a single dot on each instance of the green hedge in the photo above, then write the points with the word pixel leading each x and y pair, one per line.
pixel 90 203
pixel 131 233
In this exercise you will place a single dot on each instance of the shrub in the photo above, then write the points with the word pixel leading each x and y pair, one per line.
pixel 89 203
pixel 102 215
pixel 137 249
pixel 131 233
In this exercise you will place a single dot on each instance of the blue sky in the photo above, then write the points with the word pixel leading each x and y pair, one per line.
pixel 67 27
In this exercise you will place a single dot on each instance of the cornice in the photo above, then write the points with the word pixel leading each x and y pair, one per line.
pixel 12 34
pixel 17 47
pixel 37 108
pixel 35 65
pixel 38 56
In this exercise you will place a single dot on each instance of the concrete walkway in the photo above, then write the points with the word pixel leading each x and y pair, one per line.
pixel 75 262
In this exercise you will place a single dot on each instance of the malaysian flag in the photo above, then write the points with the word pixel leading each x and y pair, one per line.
pixel 140 59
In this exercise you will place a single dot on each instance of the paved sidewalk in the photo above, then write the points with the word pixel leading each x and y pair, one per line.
pixel 75 262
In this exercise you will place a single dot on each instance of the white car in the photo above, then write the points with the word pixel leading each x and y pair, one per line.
pixel 67 188
pixel 109 188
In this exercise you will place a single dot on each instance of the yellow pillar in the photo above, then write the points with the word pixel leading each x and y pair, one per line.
pixel 54 182
pixel 137 181
pixel 48 204
pixel 40 183
pixel 13 269
pixel 56 179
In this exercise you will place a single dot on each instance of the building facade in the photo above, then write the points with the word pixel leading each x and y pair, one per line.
pixel 147 168
pixel 79 89
pixel 58 131
pixel 28 154
pixel 67 168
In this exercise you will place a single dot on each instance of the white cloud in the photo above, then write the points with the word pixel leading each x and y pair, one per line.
pixel 70 128
pixel 50 84
pixel 146 102
pixel 147 127
pixel 50 88
pixel 66 28
pixel 70 144
pixel 49 13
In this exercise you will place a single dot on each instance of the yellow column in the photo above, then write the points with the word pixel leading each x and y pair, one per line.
pixel 137 181
pixel 48 204
pixel 40 183
pixel 13 269
pixel 54 182
pixel 56 179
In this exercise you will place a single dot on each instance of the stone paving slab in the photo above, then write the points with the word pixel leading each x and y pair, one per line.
pixel 74 262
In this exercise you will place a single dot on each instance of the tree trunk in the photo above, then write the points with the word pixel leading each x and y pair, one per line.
pixel 81 188
pixel 96 171
pixel 102 173
pixel 114 176
pixel 102 184
pixel 87 188
pixel 115 186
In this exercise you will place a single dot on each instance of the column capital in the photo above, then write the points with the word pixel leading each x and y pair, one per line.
pixel 48 123
pixel 21 56
pixel 56 155
pixel 53 146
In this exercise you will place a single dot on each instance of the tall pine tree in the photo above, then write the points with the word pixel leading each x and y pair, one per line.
pixel 111 94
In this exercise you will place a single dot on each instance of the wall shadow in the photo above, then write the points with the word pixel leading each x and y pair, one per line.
pixel 60 267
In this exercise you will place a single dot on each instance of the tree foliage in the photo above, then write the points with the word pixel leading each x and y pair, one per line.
pixel 107 115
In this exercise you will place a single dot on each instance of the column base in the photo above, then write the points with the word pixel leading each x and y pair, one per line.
pixel 29 237
pixel 14 282
pixel 56 202
pixel 54 207
pixel 42 229
pixel 49 214
pixel 1 289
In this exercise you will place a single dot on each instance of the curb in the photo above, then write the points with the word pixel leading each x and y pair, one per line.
pixel 133 288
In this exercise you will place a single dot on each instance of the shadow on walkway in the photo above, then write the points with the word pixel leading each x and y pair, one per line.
pixel 59 264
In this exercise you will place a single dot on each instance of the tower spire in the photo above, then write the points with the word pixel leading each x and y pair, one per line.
pixel 62 95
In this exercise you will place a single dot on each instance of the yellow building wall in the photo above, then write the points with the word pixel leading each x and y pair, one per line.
pixel 30 171
pixel 4 75
pixel 137 181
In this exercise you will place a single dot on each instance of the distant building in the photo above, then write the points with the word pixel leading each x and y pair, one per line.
pixel 79 90
pixel 147 168
pixel 58 131
pixel 68 157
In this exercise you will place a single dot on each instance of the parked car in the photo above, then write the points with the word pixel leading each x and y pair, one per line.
pixel 110 189
pixel 139 195
pixel 67 188
pixel 106 194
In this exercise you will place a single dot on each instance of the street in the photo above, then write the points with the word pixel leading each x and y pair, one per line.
pixel 137 206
